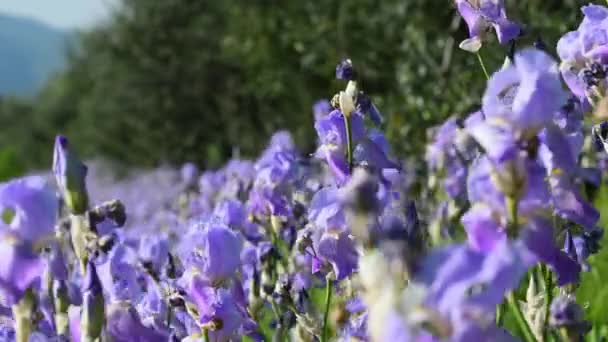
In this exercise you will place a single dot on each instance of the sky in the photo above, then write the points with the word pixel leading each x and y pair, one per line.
pixel 64 14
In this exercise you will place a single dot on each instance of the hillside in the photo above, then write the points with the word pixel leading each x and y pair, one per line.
pixel 30 52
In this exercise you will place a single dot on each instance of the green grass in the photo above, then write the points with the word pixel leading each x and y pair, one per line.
pixel 593 291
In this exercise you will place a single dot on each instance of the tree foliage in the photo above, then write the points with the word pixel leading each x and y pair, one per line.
pixel 176 80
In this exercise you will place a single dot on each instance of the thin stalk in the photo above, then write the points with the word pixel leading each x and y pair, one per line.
pixel 548 299
pixel 519 317
pixel 512 216
pixel 206 335
pixel 22 313
pixel 349 141
pixel 483 66
pixel 328 290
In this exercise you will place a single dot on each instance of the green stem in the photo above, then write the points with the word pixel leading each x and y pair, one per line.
pixel 519 317
pixel 548 299
pixel 328 290
pixel 206 335
pixel 279 331
pixel 61 305
pixel 349 141
pixel 22 313
pixel 78 229
pixel 512 216
pixel 483 66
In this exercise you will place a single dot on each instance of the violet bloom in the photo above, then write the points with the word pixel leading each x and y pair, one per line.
pixel 321 108
pixel 537 240
pixel 218 310
pixel 447 156
pixel 29 209
pixel 333 143
pixel 154 253
pixel 373 152
pixel 213 251
pixel 326 210
pixel 587 244
pixel 118 274
pixel 20 269
pixel 480 15
pixel 340 251
pixel 483 231
pixel 452 274
pixel 232 213
pixel 526 93
pixel 567 314
pixel 123 324
pixel 584 52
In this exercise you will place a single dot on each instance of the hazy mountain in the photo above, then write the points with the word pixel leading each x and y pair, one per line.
pixel 30 52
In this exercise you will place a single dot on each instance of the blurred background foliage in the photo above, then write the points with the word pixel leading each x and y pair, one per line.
pixel 186 80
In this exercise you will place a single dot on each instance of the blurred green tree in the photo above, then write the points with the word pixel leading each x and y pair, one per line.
pixel 176 80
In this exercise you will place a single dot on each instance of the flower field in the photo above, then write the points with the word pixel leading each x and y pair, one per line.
pixel 498 239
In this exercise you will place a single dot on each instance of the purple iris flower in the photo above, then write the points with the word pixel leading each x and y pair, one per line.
pixel 29 209
pixel 459 276
pixel 340 251
pixel 570 204
pixel 154 252
pixel 537 238
pixel 326 210
pixel 118 274
pixel 213 250
pixel 483 230
pixel 331 129
pixel 584 52
pixel 20 269
pixel 373 152
pixel 232 213
pixel 483 187
pixel 333 141
pixel 30 206
pixel 443 142
pixel 321 108
pixel 123 324
pixel 219 308
pixel 525 94
pixel 482 14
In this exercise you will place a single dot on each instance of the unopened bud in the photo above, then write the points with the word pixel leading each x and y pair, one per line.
pixel 70 174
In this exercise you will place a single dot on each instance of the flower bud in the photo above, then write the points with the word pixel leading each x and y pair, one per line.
pixel 70 174
pixel 93 311
pixel 347 105
pixel 566 314
pixel 345 70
